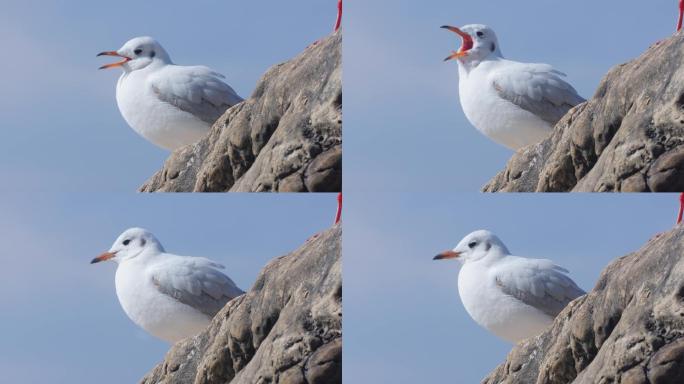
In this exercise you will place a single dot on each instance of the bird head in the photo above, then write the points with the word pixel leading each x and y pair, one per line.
pixel 477 43
pixel 475 246
pixel 130 244
pixel 137 53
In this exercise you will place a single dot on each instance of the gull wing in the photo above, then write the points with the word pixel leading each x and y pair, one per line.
pixel 197 90
pixel 195 281
pixel 536 88
pixel 538 283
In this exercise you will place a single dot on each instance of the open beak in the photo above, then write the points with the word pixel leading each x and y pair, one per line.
pixel 118 63
pixel 466 45
pixel 103 257
pixel 447 255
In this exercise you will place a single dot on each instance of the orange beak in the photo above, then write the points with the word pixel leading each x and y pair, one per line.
pixel 103 257
pixel 112 65
pixel 447 255
pixel 466 45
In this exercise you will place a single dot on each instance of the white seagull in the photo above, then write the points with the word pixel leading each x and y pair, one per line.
pixel 169 105
pixel 515 104
pixel 512 297
pixel 171 297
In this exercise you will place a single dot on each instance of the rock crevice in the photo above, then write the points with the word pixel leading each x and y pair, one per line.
pixel 287 137
pixel 627 138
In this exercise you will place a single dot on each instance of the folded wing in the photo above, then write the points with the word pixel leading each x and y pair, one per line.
pixel 538 283
pixel 536 88
pixel 196 282
pixel 197 90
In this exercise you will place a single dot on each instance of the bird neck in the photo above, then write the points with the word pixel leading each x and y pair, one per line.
pixel 494 255
pixel 466 66
pixel 155 63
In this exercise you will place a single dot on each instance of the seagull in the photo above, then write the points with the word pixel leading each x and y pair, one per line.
pixel 169 296
pixel 515 104
pixel 169 105
pixel 512 297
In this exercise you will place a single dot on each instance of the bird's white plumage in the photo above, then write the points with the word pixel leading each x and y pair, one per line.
pixel 515 104
pixel 512 297
pixel 169 105
pixel 171 297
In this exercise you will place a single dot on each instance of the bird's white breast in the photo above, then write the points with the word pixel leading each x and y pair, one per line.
pixel 158 314
pixel 159 122
pixel 495 117
pixel 501 314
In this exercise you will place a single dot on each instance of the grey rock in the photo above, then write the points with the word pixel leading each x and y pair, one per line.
pixel 286 329
pixel 629 329
pixel 287 137
pixel 627 138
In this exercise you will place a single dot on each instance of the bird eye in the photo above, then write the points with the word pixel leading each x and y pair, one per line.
pixel 126 242
pixel 480 34
pixel 472 244
pixel 138 51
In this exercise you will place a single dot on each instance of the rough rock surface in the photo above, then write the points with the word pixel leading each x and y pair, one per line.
pixel 286 329
pixel 627 138
pixel 287 137
pixel 629 329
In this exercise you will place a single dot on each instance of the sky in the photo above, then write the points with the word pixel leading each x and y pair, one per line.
pixel 404 129
pixel 61 128
pixel 60 314
pixel 403 319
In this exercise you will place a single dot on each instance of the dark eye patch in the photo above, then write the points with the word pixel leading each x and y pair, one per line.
pixel 472 244
pixel 142 242
pixel 493 47
pixel 138 51
pixel 480 34
pixel 153 54
pixel 126 242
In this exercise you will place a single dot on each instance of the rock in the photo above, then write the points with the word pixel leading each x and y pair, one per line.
pixel 287 137
pixel 628 137
pixel 629 329
pixel 286 329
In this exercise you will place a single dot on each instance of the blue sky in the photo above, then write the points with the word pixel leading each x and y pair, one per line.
pixel 403 319
pixel 404 129
pixel 60 313
pixel 61 128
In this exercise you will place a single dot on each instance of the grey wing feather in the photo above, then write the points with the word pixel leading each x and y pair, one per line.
pixel 197 90
pixel 196 282
pixel 537 88
pixel 540 284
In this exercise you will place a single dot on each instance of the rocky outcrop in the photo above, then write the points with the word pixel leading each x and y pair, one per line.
pixel 627 138
pixel 629 329
pixel 287 137
pixel 286 329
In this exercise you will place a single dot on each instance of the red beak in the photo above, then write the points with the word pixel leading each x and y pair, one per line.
pixel 338 21
pixel 118 63
pixel 103 257
pixel 338 214
pixel 466 45
pixel 447 255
